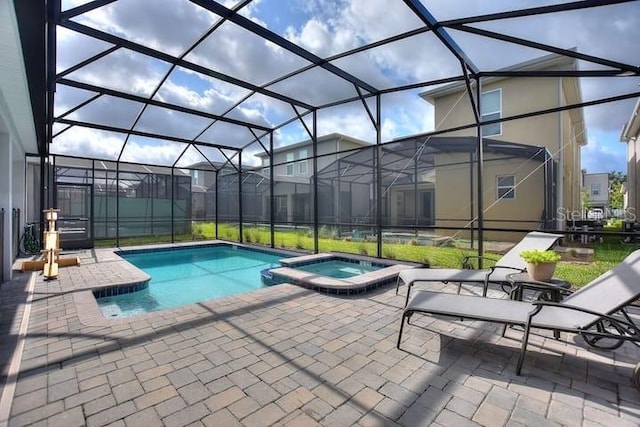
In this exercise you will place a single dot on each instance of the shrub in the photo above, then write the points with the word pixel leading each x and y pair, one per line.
pixel 389 252
pixel 256 236
pixel 362 249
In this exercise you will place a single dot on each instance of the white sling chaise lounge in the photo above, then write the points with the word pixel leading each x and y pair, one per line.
pixel 595 311
pixel 510 262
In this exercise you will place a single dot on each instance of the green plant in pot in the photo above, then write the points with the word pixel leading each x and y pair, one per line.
pixel 540 264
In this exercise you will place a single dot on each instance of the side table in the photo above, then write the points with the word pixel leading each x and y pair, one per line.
pixel 550 290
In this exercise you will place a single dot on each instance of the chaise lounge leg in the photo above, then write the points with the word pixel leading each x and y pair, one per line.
pixel 523 350
pixel 404 315
pixel 397 284
pixel 409 285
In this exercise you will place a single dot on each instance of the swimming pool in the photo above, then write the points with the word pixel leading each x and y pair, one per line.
pixel 181 276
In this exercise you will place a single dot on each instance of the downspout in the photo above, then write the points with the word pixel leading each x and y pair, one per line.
pixel 560 171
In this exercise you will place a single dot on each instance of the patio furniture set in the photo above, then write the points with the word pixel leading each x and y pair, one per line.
pixel 598 312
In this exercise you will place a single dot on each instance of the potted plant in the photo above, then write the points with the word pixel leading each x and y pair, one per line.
pixel 540 264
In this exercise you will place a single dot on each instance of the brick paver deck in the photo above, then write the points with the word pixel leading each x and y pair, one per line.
pixel 290 356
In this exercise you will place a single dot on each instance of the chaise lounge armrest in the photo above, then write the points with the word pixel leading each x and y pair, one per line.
pixel 466 264
pixel 628 330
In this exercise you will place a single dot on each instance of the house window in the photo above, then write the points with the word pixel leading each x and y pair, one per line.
pixel 265 161
pixel 290 164
pixel 491 109
pixel 303 166
pixel 506 187
pixel 595 189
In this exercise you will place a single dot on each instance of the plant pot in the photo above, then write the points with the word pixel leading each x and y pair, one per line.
pixel 542 271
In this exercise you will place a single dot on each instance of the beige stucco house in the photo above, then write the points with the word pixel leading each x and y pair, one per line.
pixel 561 133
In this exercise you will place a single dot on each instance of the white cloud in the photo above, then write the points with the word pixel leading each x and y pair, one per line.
pixel 166 25
pixel 86 142
pixel 152 151
pixel 604 154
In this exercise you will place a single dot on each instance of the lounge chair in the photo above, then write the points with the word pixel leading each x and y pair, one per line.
pixel 597 311
pixel 509 263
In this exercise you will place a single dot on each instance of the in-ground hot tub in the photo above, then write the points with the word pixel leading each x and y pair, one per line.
pixel 335 274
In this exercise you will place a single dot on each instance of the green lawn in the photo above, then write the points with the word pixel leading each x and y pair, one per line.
pixel 606 255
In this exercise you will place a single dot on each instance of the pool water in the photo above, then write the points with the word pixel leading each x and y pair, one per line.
pixel 338 269
pixel 186 276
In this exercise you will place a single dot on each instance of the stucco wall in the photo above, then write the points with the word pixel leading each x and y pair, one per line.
pixel 519 96
pixel 454 196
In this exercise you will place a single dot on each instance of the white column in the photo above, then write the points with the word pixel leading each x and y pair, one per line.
pixel 6 202
pixel 18 189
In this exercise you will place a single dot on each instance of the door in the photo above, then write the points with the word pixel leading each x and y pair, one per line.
pixel 75 219
pixel 426 208
pixel 301 211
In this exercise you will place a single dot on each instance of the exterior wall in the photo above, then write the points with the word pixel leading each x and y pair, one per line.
pixel 12 196
pixel 631 135
pixel 572 169
pixel 555 131
pixel 451 111
pixel 523 212
pixel 17 134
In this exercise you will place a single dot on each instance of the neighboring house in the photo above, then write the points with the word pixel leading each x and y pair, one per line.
pixel 203 178
pixel 596 186
pixel 425 182
pixel 428 181
pixel 293 169
pixel 561 133
pixel 631 135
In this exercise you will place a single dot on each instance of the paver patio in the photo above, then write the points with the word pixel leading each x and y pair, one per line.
pixel 290 356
